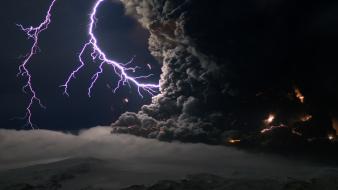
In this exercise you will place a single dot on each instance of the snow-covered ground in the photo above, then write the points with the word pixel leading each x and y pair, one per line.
pixel 96 159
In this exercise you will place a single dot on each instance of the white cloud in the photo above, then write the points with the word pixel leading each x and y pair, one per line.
pixel 22 148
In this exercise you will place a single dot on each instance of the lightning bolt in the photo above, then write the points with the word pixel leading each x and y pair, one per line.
pixel 33 33
pixel 97 54
pixel 122 70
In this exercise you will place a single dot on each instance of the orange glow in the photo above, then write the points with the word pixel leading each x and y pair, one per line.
pixel 266 130
pixel 306 118
pixel 331 137
pixel 234 141
pixel 335 124
pixel 299 95
pixel 272 128
pixel 270 119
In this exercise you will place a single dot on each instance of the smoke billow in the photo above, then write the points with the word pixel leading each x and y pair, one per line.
pixel 227 65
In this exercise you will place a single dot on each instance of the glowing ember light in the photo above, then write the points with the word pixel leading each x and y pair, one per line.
pixel 272 128
pixel 270 119
pixel 121 69
pixel 33 33
pixel 331 137
pixel 234 141
pixel 126 100
pixel 299 95
pixel 306 118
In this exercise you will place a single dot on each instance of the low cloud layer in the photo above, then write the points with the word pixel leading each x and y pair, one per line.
pixel 23 148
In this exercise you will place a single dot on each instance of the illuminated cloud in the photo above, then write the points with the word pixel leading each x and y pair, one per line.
pixel 30 147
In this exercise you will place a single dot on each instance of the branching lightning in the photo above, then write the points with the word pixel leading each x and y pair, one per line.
pixel 33 33
pixel 120 69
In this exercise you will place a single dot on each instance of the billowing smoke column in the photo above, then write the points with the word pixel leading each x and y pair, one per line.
pixel 228 65
pixel 33 33
pixel 120 69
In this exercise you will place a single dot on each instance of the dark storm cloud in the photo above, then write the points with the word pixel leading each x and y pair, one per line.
pixel 226 65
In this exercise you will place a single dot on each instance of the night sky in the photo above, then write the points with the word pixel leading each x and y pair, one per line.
pixel 247 91
pixel 119 35
pixel 224 69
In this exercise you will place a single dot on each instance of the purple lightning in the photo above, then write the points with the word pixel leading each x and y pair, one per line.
pixel 120 69
pixel 33 33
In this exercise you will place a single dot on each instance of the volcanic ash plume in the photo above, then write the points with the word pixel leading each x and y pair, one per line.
pixel 225 68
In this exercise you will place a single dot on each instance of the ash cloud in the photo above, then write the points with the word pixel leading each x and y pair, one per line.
pixel 226 65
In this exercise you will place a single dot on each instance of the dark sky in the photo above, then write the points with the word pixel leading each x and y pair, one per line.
pixel 120 36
